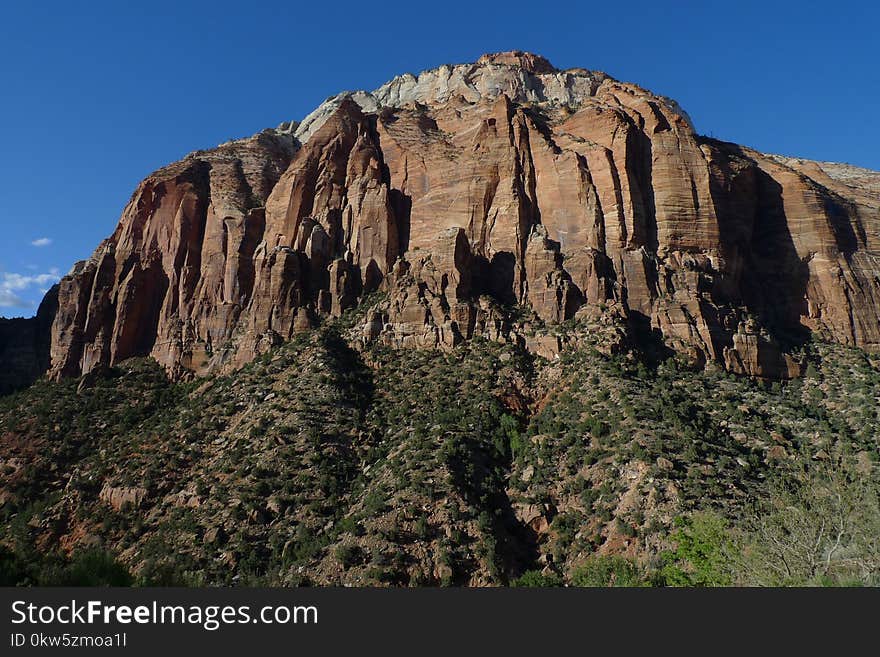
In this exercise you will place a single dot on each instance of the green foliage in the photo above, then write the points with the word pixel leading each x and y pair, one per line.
pixel 704 552
pixel 508 439
pixel 89 567
pixel 161 574
pixel 536 579
pixel 13 571
pixel 94 567
pixel 429 467
pixel 608 571
pixel 348 555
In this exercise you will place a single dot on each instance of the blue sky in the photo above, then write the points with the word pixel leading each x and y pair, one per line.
pixel 96 95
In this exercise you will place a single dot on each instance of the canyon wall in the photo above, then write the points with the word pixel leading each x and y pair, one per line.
pixel 467 190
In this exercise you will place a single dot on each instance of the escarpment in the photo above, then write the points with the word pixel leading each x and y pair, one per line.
pixel 465 191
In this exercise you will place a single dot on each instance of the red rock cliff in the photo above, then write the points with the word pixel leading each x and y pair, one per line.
pixel 504 180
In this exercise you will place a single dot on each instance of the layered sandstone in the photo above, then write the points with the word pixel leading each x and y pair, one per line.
pixel 468 189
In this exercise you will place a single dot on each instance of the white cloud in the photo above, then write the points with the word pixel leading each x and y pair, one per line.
pixel 13 287
pixel 19 282
pixel 10 300
pixel 42 241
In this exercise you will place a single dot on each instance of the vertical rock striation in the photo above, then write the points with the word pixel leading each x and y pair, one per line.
pixel 468 188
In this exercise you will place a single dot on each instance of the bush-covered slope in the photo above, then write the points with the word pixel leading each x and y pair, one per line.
pixel 326 462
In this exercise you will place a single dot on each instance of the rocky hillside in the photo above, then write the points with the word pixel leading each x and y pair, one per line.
pixel 329 462
pixel 503 182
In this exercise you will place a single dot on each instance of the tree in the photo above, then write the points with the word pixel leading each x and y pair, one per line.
pixel 535 578
pixel 704 553
pixel 823 528
pixel 507 438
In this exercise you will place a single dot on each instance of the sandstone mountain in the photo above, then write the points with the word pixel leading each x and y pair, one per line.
pixel 464 193
pixel 483 326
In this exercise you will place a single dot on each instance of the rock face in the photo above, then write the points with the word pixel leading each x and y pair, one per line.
pixel 174 278
pixel 469 188
pixel 24 346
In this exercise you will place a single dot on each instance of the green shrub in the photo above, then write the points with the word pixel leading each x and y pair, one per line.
pixel 704 553
pixel 536 579
pixel 92 567
pixel 348 555
pixel 607 571
pixel 13 571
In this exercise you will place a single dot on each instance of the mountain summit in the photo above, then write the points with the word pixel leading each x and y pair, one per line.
pixel 464 196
